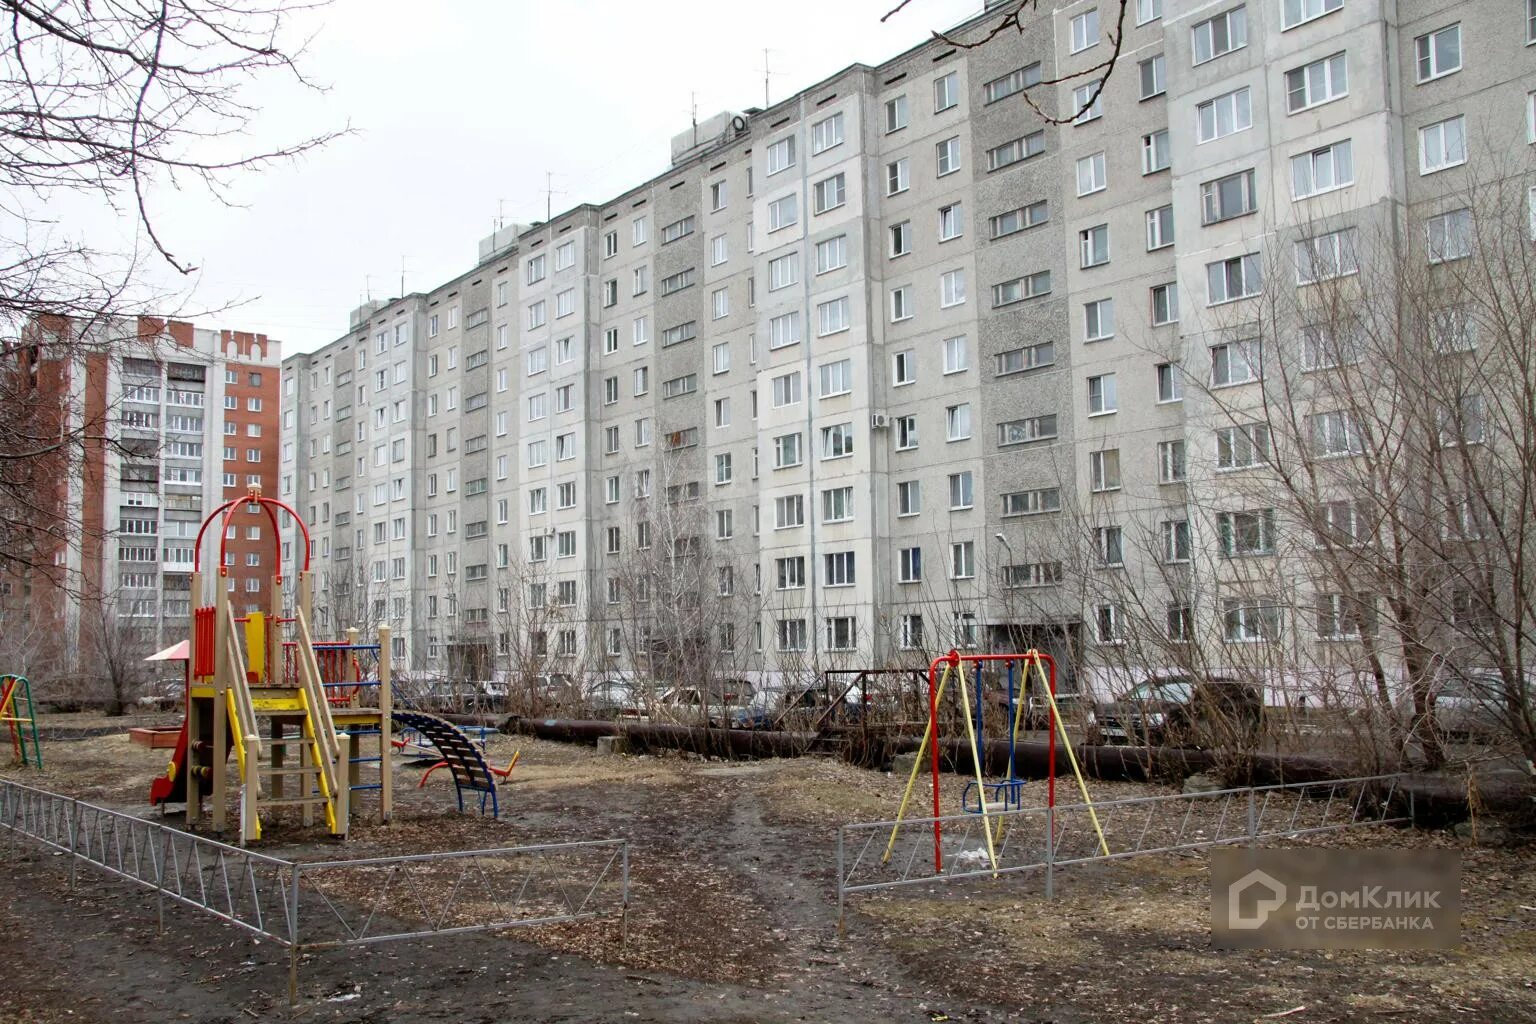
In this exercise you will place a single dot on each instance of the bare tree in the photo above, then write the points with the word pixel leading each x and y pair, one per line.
pixel 688 608
pixel 1357 481
pixel 118 632
pixel 105 104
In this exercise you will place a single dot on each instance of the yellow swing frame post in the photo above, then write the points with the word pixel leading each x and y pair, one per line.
pixel 956 662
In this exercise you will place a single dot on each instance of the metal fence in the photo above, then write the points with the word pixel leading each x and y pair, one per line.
pixel 879 855
pixel 317 905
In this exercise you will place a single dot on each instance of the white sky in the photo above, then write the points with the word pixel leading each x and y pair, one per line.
pixel 459 114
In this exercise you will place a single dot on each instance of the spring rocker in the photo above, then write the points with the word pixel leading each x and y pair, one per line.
pixel 980 796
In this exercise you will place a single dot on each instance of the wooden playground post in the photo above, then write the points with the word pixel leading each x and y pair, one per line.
pixel 386 714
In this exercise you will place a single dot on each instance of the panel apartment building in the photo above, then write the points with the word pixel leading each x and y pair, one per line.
pixel 888 366
pixel 176 419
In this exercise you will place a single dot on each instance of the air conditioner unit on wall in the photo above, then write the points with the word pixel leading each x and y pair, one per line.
pixel 878 421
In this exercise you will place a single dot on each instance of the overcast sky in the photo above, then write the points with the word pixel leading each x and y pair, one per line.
pixel 459 114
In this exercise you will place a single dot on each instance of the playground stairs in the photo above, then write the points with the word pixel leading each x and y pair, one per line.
pixel 284 736
pixel 289 772
pixel 20 717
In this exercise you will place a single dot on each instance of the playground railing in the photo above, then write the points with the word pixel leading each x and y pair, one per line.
pixel 880 855
pixel 318 905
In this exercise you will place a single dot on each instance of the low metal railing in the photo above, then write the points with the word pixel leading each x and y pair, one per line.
pixel 879 855
pixel 316 905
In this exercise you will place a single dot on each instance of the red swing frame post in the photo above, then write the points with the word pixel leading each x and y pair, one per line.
pixel 953 660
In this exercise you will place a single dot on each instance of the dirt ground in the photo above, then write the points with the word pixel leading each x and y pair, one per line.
pixel 733 919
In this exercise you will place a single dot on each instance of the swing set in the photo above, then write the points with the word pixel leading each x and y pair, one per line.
pixel 989 799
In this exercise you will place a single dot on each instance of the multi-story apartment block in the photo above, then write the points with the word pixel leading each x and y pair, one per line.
pixel 171 421
pixel 894 364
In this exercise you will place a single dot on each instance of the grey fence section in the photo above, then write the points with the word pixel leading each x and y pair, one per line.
pixel 326 904
pixel 1043 839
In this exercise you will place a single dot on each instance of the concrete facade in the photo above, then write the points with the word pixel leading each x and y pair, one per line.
pixel 897 312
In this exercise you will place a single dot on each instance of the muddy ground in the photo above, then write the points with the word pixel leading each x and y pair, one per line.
pixel 733 918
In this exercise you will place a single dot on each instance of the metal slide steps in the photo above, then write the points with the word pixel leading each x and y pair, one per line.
pixel 470 772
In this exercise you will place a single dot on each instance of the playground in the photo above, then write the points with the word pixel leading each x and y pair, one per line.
pixel 301 847
pixel 732 918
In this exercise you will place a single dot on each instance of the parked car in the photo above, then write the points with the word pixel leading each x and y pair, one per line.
pixel 612 698
pixel 712 705
pixel 1467 707
pixel 1181 710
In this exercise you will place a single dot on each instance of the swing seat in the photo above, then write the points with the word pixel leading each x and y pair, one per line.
pixel 1006 795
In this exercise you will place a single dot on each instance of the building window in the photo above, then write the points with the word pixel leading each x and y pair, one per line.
pixel 898 177
pixel 1170 383
pixel 1322 81
pixel 826 133
pixel 1322 170
pixel 829 193
pixel 960 491
pixel 1237 278
pixel 1250 619
pixel 957 421
pixel 831 254
pixel 1014 221
pixel 1021 288
pixel 962 560
pixel 783 212
pixel 1160 227
pixel 951 288
pixel 948 156
pixel 1154 76
pixel 1175 533
pixel 1104 470
pixel 781 154
pixel 1016 151
pixel 951 222
pixel 1443 144
pixel 1170 462
pixel 838 569
pixel 1295 12
pixel 1227 197
pixel 1438 53
pixel 1085 30
pixel 1026 431
pixel 946 92
pixel 1107 625
pixel 1091 174
pixel 1247 533
pixel 1224 115
pixel 895 114
pixel 1098 319
pixel 1224 33
pixel 1326 256
pixel 1093 245
pixel 1015 81
pixel 1236 362
pixel 1243 446
pixel 1101 394
pixel 909 565
pixel 1087 102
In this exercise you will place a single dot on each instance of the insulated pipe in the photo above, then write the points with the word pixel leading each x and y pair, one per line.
pixel 1437 799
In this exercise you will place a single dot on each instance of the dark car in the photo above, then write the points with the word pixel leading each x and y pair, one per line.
pixel 1183 711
